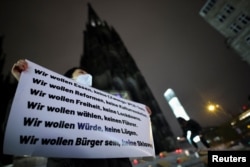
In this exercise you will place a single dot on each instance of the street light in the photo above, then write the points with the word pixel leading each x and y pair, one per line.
pixel 212 107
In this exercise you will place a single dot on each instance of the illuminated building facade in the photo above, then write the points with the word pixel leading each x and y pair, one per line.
pixel 231 18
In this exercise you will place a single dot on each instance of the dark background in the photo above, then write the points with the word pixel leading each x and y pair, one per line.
pixel 172 45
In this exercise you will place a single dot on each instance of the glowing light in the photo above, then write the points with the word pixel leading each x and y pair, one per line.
pixel 135 162
pixel 233 123
pixel 187 153
pixel 244 115
pixel 178 151
pixel 175 104
pixel 188 134
pixel 211 107
pixel 196 139
pixel 162 154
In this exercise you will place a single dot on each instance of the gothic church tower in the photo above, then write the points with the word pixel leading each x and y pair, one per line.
pixel 114 70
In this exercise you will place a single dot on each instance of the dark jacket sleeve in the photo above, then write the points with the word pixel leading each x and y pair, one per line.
pixel 194 127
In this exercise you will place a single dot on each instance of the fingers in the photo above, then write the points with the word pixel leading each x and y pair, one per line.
pixel 21 65
pixel 148 110
pixel 18 67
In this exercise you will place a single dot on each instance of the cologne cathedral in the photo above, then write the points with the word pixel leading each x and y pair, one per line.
pixel 114 71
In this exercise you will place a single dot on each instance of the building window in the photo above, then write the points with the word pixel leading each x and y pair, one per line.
pixel 235 28
pixel 244 19
pixel 248 40
pixel 208 6
pixel 228 8
pixel 93 24
pixel 224 13
pixel 240 23
pixel 221 17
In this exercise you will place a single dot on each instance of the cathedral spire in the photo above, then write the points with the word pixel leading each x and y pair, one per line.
pixel 114 70
pixel 93 18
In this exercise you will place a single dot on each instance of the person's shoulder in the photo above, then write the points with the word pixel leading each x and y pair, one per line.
pixel 191 121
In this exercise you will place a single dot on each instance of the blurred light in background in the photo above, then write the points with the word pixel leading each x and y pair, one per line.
pixel 175 104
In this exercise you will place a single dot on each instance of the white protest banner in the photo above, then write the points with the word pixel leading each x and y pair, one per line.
pixel 53 116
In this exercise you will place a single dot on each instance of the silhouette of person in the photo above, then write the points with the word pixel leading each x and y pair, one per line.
pixel 195 129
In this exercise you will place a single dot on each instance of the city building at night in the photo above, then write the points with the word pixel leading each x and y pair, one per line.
pixel 114 70
pixel 231 18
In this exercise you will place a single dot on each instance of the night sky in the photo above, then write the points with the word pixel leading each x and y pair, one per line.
pixel 172 45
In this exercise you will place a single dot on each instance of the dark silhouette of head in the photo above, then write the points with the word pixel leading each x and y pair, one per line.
pixel 70 72
pixel 181 121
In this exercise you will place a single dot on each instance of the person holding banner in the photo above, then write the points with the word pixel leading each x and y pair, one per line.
pixel 82 77
pixel 18 67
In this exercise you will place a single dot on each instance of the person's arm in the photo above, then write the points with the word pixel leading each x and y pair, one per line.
pixel 18 67
pixel 184 135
